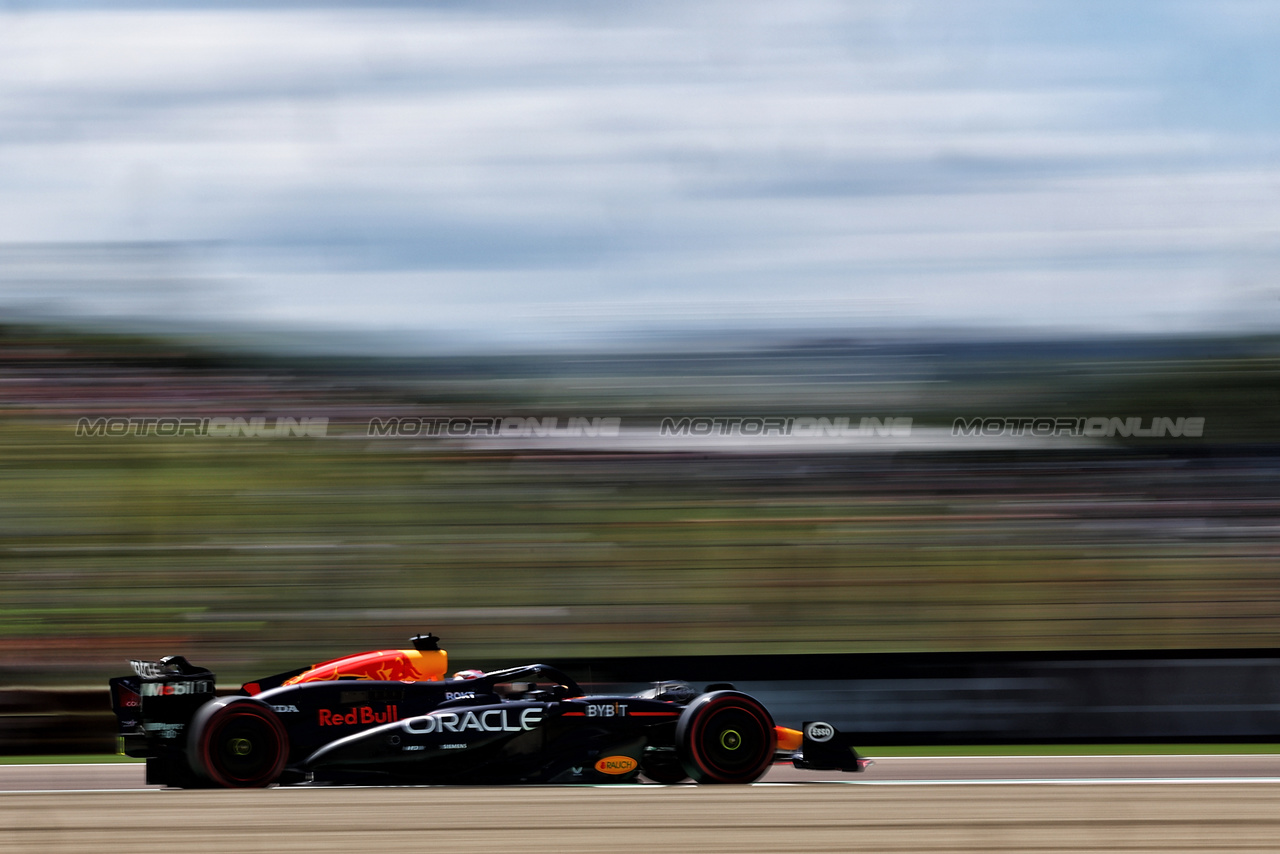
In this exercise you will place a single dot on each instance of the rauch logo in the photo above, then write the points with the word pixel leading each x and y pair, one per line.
pixel 616 765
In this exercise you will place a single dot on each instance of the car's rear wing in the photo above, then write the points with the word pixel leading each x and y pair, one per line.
pixel 126 702
pixel 153 708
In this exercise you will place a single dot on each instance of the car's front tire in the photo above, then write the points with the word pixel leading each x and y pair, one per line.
pixel 238 743
pixel 726 737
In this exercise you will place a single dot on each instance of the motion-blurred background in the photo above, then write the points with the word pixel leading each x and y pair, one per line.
pixel 635 329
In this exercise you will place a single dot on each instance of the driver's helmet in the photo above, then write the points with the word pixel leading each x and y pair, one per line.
pixel 468 674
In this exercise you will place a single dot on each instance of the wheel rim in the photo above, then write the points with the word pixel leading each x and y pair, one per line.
pixel 730 741
pixel 244 749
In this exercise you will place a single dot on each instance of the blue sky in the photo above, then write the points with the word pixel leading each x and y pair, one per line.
pixel 574 172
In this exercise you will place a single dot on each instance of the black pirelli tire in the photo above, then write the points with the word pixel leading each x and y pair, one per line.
pixel 237 743
pixel 726 737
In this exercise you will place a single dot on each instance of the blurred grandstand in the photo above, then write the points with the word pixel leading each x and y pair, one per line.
pixel 254 551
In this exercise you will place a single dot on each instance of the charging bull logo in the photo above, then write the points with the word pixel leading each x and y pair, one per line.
pixel 396 667
pixel 387 665
pixel 359 715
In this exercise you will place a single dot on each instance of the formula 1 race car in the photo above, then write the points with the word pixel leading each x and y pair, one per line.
pixel 392 718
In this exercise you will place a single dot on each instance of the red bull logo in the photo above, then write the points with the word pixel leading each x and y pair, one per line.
pixel 360 715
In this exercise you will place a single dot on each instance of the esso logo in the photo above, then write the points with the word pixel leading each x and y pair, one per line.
pixel 820 732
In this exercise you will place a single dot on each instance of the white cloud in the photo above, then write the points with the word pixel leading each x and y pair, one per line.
pixel 463 169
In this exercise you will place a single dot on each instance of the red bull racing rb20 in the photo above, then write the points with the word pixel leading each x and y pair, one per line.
pixel 392 717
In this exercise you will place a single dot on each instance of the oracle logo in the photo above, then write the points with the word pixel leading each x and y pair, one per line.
pixel 489 720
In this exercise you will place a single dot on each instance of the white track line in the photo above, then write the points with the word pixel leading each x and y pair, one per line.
pixel 74 765
pixel 73 791
pixel 1063 781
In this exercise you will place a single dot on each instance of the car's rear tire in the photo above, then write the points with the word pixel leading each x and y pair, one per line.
pixel 238 743
pixel 725 737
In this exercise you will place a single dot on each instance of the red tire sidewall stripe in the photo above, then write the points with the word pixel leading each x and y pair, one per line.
pixel 700 726
pixel 220 719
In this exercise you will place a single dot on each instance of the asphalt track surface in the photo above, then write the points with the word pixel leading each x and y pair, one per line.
pixel 962 804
